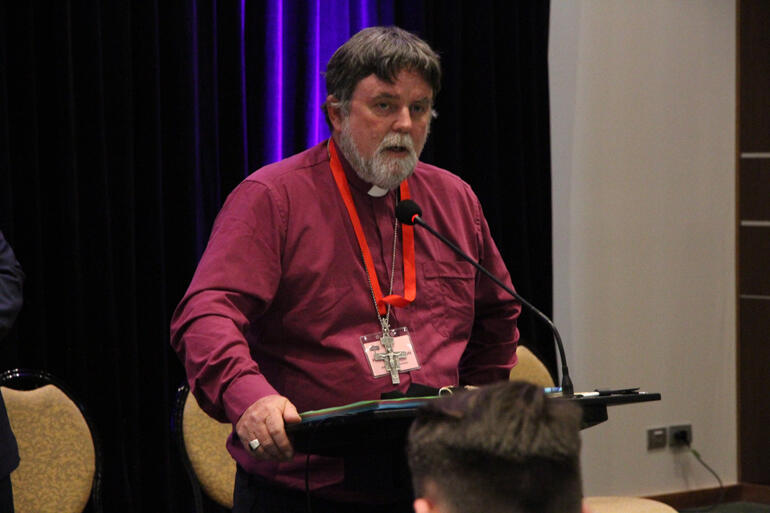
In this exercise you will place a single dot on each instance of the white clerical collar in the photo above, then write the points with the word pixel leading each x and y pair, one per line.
pixel 377 192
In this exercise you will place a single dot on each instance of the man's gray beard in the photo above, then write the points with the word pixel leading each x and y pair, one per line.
pixel 380 170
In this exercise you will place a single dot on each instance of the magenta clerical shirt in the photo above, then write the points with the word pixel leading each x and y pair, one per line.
pixel 280 298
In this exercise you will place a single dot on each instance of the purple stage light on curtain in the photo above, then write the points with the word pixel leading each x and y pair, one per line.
pixel 333 29
pixel 244 110
pixel 334 23
pixel 363 7
pixel 314 133
pixel 275 71
pixel 326 25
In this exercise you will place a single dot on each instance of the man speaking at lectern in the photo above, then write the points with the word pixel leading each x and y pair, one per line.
pixel 311 295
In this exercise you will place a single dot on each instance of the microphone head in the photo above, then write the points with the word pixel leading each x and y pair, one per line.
pixel 406 211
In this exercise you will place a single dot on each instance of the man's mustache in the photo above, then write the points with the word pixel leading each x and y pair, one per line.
pixel 400 140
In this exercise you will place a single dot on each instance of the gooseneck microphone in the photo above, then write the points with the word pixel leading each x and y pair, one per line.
pixel 408 212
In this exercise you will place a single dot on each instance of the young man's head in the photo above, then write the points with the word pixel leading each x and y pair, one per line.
pixel 501 448
pixel 381 85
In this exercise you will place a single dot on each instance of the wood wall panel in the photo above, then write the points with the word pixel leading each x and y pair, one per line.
pixel 754 55
pixel 754 261
pixel 755 188
pixel 753 351
pixel 754 407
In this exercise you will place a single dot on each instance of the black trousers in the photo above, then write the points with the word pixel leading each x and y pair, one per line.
pixel 6 495
pixel 254 494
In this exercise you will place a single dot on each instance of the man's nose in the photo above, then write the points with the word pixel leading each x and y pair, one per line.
pixel 403 121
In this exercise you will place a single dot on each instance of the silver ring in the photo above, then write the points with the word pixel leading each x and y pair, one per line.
pixel 254 445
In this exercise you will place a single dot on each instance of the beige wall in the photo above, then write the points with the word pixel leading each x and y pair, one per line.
pixel 643 137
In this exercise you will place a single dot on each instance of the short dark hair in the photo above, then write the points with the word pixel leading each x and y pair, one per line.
pixel 502 448
pixel 384 52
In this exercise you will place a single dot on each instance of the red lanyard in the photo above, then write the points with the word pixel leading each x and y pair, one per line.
pixel 410 283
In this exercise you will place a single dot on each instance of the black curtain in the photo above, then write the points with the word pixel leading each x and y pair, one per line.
pixel 493 130
pixel 121 132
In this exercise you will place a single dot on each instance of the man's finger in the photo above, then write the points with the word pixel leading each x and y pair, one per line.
pixel 277 432
pixel 290 414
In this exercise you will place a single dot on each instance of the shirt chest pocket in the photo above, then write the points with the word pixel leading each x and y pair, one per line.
pixel 449 290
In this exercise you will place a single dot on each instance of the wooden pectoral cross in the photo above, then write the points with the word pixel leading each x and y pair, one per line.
pixel 391 359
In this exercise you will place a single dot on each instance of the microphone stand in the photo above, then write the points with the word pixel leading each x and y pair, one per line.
pixel 566 383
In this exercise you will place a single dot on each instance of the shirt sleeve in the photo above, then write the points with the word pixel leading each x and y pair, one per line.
pixel 233 285
pixel 491 350
pixel 11 281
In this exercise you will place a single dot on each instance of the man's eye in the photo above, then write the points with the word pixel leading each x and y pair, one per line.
pixel 419 109
pixel 383 106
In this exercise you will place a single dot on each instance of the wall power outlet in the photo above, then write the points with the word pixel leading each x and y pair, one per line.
pixel 680 435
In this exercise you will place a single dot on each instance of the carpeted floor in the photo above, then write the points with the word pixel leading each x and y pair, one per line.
pixel 733 507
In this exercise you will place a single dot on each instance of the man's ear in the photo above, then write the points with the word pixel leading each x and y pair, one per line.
pixel 423 505
pixel 334 112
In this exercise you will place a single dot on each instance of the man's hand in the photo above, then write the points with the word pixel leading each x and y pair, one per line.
pixel 264 421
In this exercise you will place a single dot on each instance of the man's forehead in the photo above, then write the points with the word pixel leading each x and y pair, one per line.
pixel 407 84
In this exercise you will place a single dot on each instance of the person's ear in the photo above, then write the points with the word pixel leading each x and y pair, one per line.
pixel 335 112
pixel 423 505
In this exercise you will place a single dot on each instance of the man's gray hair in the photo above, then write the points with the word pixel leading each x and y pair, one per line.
pixel 384 52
